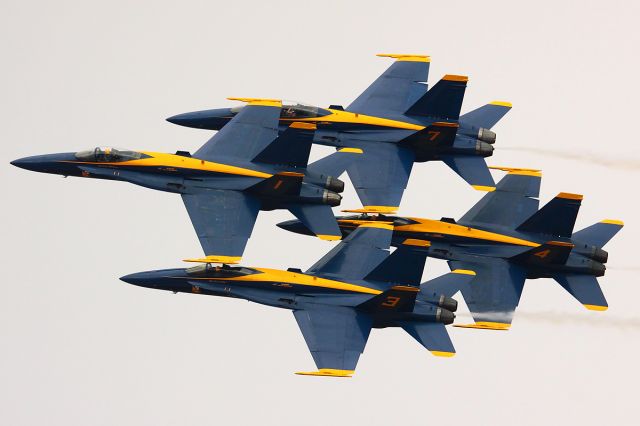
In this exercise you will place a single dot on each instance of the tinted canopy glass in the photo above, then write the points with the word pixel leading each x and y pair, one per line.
pixel 108 155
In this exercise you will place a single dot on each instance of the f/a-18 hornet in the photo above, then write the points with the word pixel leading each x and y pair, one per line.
pixel 355 287
pixel 246 167
pixel 397 122
pixel 505 239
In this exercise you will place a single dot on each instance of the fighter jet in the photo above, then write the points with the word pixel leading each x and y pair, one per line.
pixel 355 287
pixel 505 239
pixel 397 122
pixel 244 168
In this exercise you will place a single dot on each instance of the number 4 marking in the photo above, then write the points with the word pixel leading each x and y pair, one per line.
pixel 542 254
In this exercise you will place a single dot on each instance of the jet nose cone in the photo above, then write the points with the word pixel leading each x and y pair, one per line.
pixel 211 119
pixel 180 119
pixel 27 163
pixel 139 278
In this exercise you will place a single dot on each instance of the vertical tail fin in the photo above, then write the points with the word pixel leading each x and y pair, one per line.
pixel 486 116
pixel 443 100
pixel 557 217
pixel 404 266
pixel 598 234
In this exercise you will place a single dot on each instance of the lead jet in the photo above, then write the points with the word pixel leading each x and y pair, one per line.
pixel 506 239
pixel 244 168
pixel 355 287
pixel 397 122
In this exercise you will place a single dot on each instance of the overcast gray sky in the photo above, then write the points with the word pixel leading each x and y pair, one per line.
pixel 80 347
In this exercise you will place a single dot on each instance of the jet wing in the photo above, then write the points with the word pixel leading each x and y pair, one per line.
pixel 381 175
pixel 247 134
pixel 335 335
pixel 358 254
pixel 399 87
pixel 492 297
pixel 223 221
pixel 513 201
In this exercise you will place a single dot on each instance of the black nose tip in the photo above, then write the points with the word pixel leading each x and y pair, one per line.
pixel 135 279
pixel 26 163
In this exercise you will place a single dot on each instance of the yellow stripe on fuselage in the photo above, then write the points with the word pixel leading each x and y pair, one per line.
pixel 287 277
pixel 158 159
pixel 337 116
pixel 445 228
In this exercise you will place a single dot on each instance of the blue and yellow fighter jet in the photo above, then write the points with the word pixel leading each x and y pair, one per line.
pixel 505 239
pixel 397 122
pixel 244 168
pixel 355 287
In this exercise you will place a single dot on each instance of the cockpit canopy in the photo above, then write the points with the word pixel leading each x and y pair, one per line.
pixel 108 155
pixel 209 270
pixel 293 109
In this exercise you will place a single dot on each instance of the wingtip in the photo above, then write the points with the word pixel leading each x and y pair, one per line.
pixel 443 354
pixel 613 222
pixel 502 103
pixel 327 372
pixel 518 171
pixel 596 307
pixel 486 325
pixel 484 188
pixel 463 271
pixel 405 57
pixel 329 237
pixel 230 260
pixel 259 101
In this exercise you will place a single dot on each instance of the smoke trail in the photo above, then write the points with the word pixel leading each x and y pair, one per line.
pixel 619 163
pixel 591 319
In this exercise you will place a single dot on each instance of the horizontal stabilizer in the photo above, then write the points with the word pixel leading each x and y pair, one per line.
pixel 443 100
pixel 432 335
pixel 585 289
pixel 291 148
pixel 279 185
pixel 473 169
pixel 599 234
pixel 335 164
pixel 486 116
pixel 403 266
pixel 549 253
pixel 319 219
pixel 557 217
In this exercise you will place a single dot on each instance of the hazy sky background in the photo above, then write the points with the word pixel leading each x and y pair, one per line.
pixel 80 347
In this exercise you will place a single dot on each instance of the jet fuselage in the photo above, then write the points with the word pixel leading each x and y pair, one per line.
pixel 178 173
pixel 445 239
pixel 290 289
pixel 339 128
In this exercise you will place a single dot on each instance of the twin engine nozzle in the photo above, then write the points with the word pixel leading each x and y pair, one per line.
pixel 446 306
